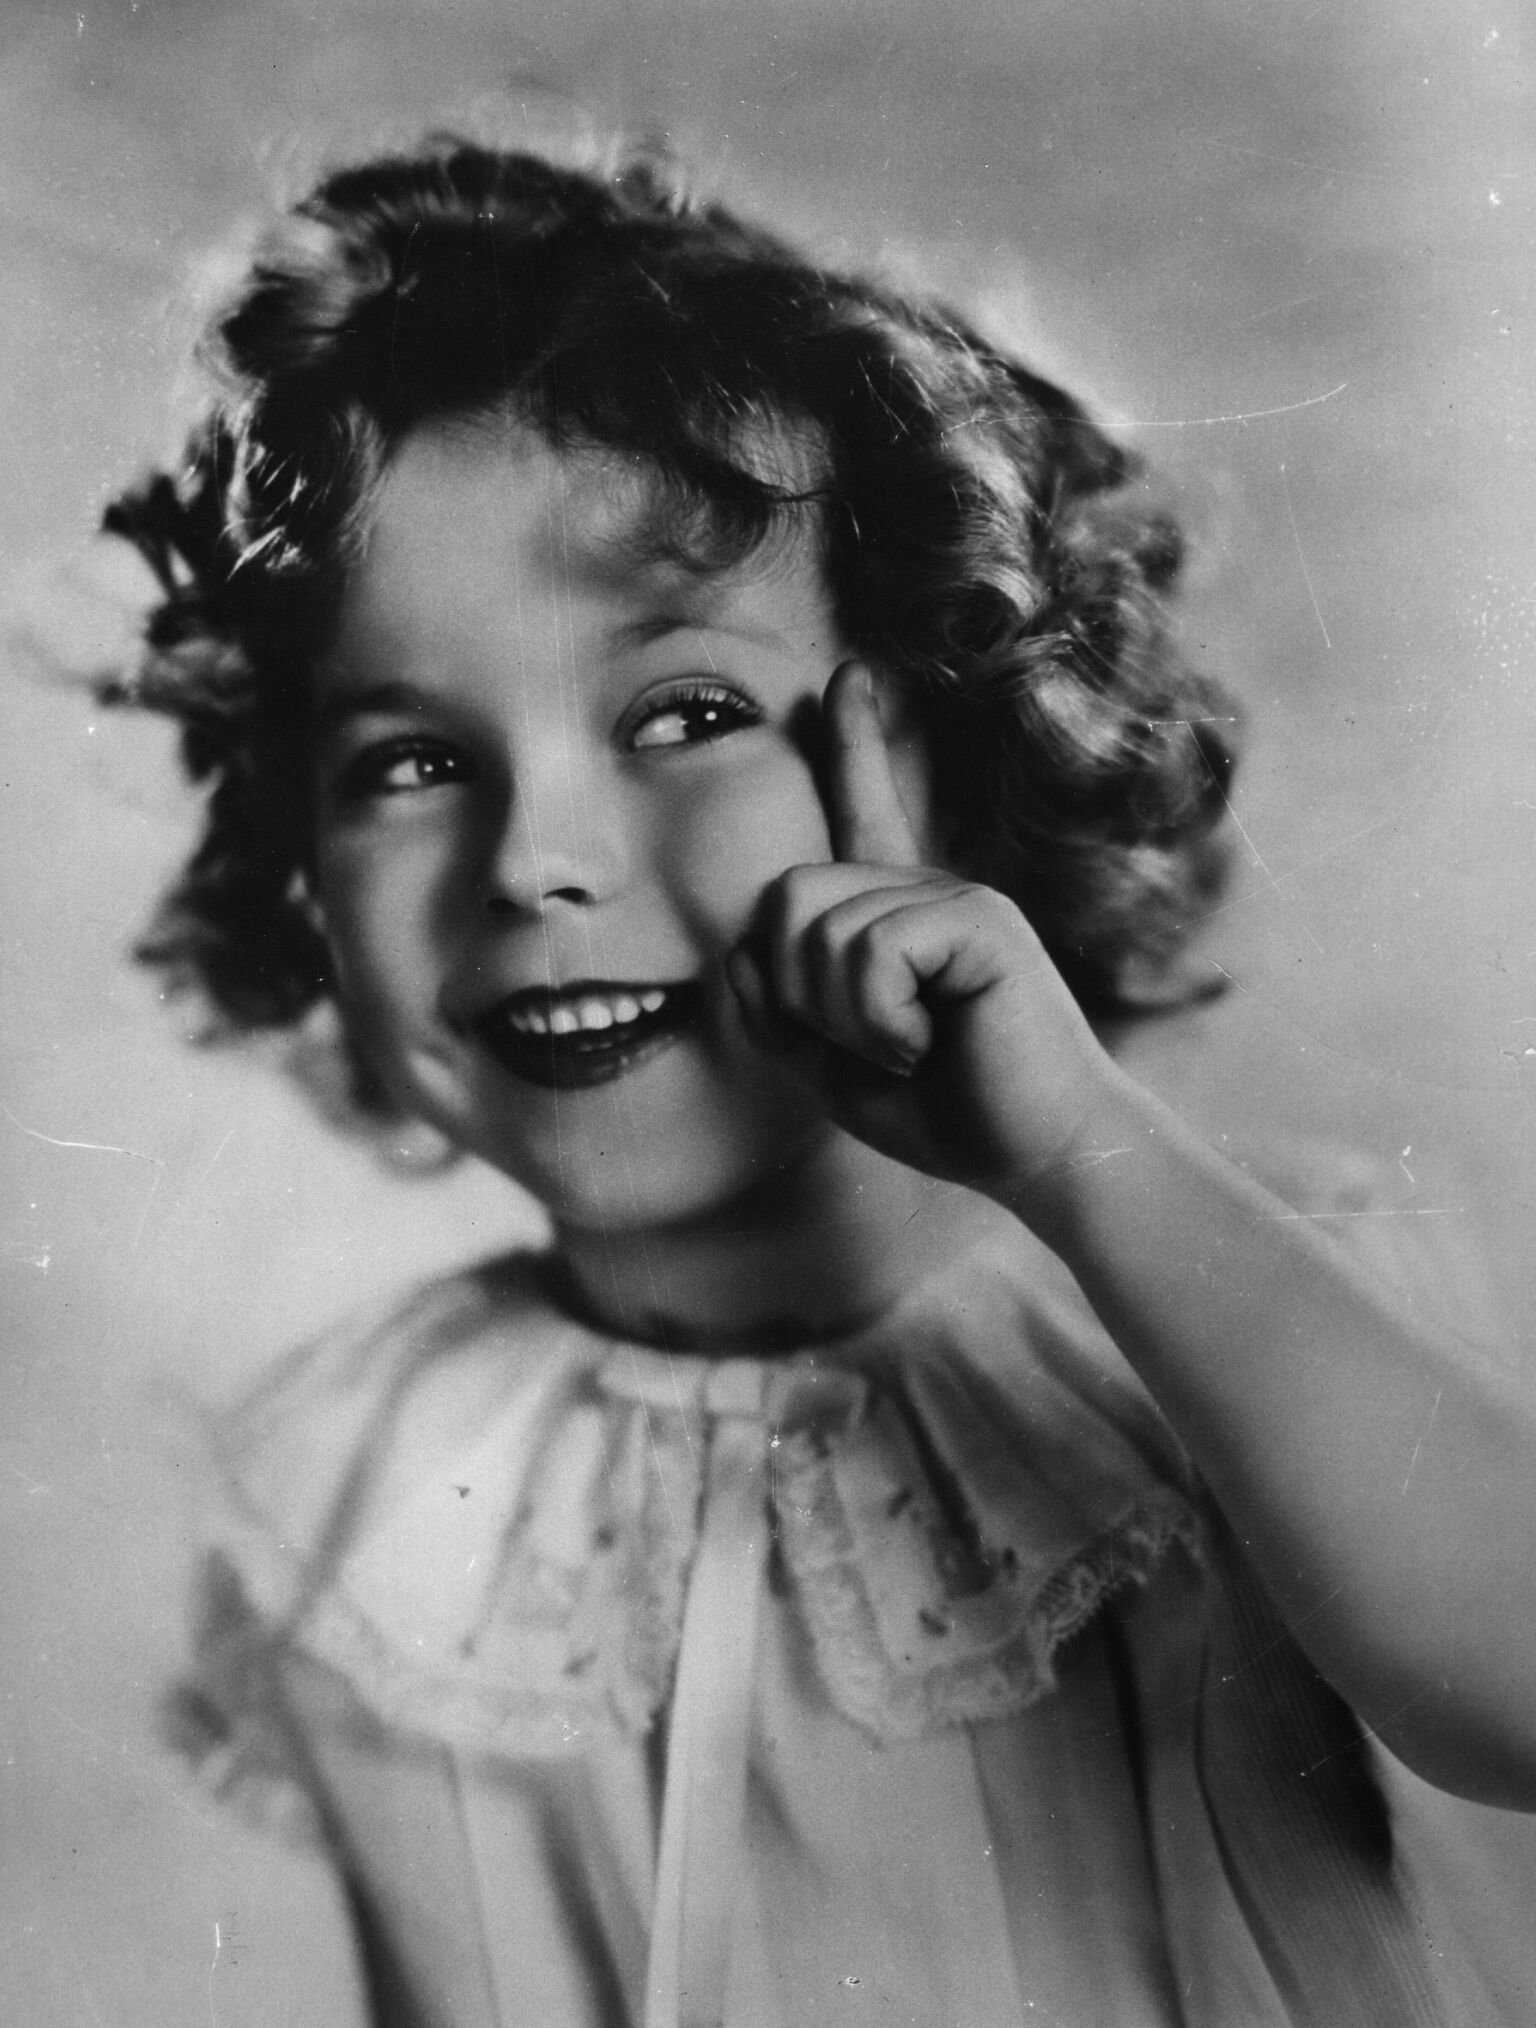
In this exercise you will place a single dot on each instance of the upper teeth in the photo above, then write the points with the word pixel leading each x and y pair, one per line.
pixel 589 1011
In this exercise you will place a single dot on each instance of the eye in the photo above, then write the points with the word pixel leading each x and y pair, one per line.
pixel 688 714
pixel 402 767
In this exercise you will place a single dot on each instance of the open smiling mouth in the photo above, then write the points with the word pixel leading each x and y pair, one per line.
pixel 588 1033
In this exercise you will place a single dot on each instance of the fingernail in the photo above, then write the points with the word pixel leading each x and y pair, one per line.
pixel 744 978
pixel 767 1029
pixel 897 1062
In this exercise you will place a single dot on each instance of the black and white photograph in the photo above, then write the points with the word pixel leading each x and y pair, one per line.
pixel 769 1079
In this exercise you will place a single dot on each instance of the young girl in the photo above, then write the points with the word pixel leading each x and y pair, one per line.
pixel 928 1542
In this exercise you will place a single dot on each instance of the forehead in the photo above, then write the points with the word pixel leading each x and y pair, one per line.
pixel 479 485
pixel 467 511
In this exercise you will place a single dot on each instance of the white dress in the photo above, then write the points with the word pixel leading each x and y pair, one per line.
pixel 910 1679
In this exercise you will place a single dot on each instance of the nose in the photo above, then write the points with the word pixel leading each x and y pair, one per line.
pixel 558 836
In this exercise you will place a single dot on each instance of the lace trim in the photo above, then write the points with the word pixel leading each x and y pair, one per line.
pixel 936 1581
pixel 983 1654
pixel 227 1723
pixel 614 1681
pixel 978 1648
pixel 562 1652
pixel 1129 1554
pixel 234 1769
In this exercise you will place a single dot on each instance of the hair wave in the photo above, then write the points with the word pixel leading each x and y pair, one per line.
pixel 983 540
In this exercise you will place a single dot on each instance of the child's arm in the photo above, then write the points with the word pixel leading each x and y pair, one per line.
pixel 1382 1476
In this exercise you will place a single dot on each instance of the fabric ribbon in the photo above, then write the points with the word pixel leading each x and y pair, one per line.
pixel 701 1857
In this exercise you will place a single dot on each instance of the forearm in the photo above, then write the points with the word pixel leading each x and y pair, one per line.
pixel 1382 1477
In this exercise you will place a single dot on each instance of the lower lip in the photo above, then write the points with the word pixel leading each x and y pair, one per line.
pixel 589 1056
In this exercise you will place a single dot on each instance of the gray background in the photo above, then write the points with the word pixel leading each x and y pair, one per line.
pixel 1292 244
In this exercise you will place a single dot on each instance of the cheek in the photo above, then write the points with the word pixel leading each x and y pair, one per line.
pixel 373 921
pixel 729 843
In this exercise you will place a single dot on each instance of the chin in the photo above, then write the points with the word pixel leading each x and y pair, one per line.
pixel 639 1178
pixel 668 1138
pixel 676 1195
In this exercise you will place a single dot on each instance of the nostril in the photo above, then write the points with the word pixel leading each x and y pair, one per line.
pixel 505 901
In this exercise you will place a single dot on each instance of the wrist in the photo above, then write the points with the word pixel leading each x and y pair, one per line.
pixel 1119 1123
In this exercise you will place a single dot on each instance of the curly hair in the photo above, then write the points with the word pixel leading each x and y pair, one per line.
pixel 981 537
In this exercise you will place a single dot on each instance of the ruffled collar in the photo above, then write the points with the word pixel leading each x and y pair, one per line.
pixel 486 1514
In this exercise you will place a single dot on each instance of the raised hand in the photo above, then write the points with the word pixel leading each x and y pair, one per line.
pixel 921 1006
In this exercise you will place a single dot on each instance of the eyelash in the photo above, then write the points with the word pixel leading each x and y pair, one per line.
pixel 365 777
pixel 730 706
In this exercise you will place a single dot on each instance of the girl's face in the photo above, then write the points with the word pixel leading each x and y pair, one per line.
pixel 552 784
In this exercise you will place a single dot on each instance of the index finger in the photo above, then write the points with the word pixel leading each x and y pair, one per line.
pixel 869 824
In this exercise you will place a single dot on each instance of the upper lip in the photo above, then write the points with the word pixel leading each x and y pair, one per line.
pixel 583 1032
pixel 544 998
pixel 576 989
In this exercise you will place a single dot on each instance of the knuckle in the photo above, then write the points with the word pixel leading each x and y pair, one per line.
pixel 825 947
pixel 799 897
pixel 772 906
pixel 869 951
pixel 989 906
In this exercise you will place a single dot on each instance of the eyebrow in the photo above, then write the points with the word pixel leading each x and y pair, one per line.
pixel 349 700
pixel 669 620
pixel 363 700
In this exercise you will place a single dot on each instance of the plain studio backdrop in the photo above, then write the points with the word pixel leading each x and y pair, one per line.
pixel 1287 246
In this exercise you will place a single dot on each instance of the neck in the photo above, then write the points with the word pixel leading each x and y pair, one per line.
pixel 823 1249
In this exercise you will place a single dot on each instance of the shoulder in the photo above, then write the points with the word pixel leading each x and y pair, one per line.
pixel 286 1472
pixel 363 1502
pixel 403 1389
